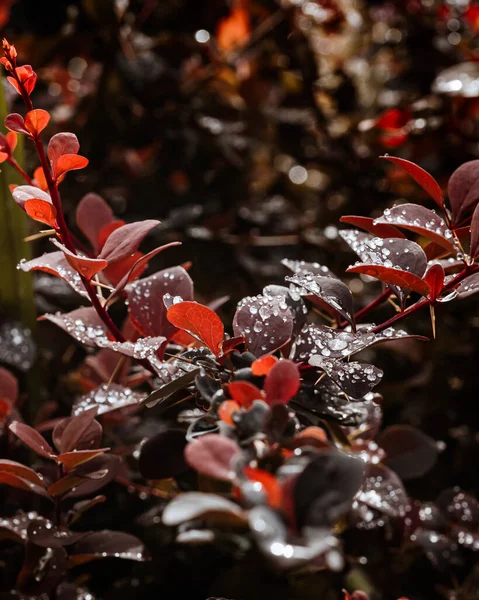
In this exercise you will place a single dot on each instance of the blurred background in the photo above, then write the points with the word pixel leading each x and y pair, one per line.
pixel 249 127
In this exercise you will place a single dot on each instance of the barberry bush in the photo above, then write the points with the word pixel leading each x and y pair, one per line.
pixel 263 439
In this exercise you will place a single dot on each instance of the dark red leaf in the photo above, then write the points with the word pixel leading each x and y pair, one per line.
pixel 211 455
pixel 101 544
pixel 75 429
pixel 92 215
pixel 410 453
pixel 32 439
pixel 434 277
pixel 8 386
pixel 463 189
pixel 474 249
pixel 281 383
pixel 68 162
pixel 244 392
pixel 16 123
pixel 301 266
pixel 10 466
pixel 56 264
pixel 145 300
pixel 355 378
pixel 85 266
pixel 41 211
pixel 367 223
pixel 91 437
pixel 469 286
pixel 116 271
pixel 420 176
pixel 77 457
pixel 45 534
pixel 420 220
pixel 36 120
pixel 230 344
pixel 125 241
pixel 62 143
pixel 200 322
pixel 83 324
pixel 16 481
pixel 266 322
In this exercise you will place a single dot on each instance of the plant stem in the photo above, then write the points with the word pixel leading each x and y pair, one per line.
pixel 19 169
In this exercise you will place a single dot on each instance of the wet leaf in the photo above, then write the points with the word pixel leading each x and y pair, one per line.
pixel 396 277
pixel 265 322
pixel 145 300
pixel 212 455
pixel 32 439
pixel 468 286
pixel 381 230
pixel 174 380
pixel 410 452
pixel 382 491
pixel 85 266
pixel 102 544
pixel 301 266
pixel 42 532
pixel 14 480
pixel 420 176
pixel 10 466
pixel 474 249
pixel 107 398
pixel 420 220
pixel 200 322
pixel 83 324
pixel 354 378
pixel 77 457
pixel 55 263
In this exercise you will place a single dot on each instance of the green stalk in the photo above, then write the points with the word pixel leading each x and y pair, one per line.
pixel 16 288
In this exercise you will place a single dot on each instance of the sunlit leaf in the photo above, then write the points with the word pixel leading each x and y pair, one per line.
pixel 42 211
pixel 420 176
pixel 85 266
pixel 200 322
pixel 36 120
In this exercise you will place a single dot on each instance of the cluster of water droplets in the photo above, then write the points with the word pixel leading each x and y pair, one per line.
pixel 107 398
pixel 17 347
pixel 412 215
pixel 18 524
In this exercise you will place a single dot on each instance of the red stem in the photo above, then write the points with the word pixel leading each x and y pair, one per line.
pixel 64 232
pixel 17 167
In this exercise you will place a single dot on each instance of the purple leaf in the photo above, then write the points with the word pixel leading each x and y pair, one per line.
pixel 194 505
pixel 8 385
pixel 354 378
pixel 420 220
pixel 83 324
pixel 212 455
pixel 91 437
pixel 301 266
pixel 56 264
pixel 410 453
pixel 43 533
pixel 104 468
pixel 463 189
pixel 107 398
pixel 145 300
pixel 265 322
pixel 367 223
pixel 281 383
pixel 332 291
pixel 32 439
pixel 62 143
pixel 76 430
pixel 92 214
pixel 381 491
pixel 125 240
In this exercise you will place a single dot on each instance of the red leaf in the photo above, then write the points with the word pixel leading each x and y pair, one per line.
pixel 61 144
pixel 92 215
pixel 233 30
pixel 281 383
pixel 41 210
pixel 474 250
pixel 125 241
pixel 116 271
pixel 87 267
pixel 270 485
pixel 226 411
pixel 36 120
pixel 420 176
pixel 27 76
pixel 263 366
pixel 68 162
pixel 11 140
pixel 230 344
pixel 434 277
pixel 420 220
pixel 78 457
pixel 8 385
pixel 402 279
pixel 39 177
pixel 10 466
pixel 32 439
pixel 16 123
pixel 245 393
pixel 381 230
pixel 211 455
pixel 199 321
pixel 107 230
